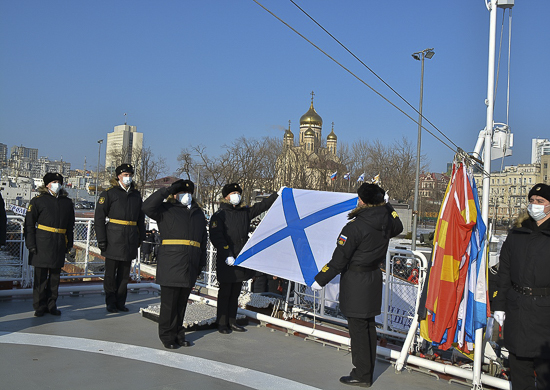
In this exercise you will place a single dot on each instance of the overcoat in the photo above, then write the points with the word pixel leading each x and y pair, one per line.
pixel 123 240
pixel 360 248
pixel 229 227
pixel 49 211
pixel 178 265
pixel 525 262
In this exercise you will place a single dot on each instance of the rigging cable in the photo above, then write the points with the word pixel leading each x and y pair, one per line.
pixel 354 75
pixel 373 72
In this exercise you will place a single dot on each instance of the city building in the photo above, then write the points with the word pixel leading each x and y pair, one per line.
pixel 3 155
pixel 431 190
pixel 310 163
pixel 22 160
pixel 123 144
pixel 539 147
pixel 509 189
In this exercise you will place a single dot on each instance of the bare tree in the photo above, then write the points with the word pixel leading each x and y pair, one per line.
pixel 146 167
pixel 395 163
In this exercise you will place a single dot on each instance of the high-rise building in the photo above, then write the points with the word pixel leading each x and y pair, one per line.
pixel 3 155
pixel 540 147
pixel 122 146
pixel 20 152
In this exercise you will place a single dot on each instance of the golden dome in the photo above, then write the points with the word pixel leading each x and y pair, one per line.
pixel 311 117
pixel 332 136
pixel 288 134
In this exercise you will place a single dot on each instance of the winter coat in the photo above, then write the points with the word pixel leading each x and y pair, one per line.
pixel 525 262
pixel 49 211
pixel 361 247
pixel 123 240
pixel 229 227
pixel 178 265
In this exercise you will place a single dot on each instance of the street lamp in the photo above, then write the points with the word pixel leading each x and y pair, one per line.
pixel 97 173
pixel 419 56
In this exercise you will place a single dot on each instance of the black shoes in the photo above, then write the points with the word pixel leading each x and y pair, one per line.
pixel 223 329
pixel 171 346
pixel 122 308
pixel 183 342
pixel 237 328
pixel 348 380
pixel 112 308
pixel 42 310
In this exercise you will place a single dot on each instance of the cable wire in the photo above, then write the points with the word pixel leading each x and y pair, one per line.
pixel 357 77
pixel 373 72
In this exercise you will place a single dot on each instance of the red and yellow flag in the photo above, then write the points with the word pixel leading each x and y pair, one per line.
pixel 450 259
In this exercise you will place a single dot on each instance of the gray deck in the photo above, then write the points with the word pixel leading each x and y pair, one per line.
pixel 89 348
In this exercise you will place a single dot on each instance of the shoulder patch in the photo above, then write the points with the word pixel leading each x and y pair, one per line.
pixel 214 224
pixel 495 294
pixel 101 200
pixel 29 208
pixel 394 214
pixel 325 268
pixel 226 247
pixel 342 240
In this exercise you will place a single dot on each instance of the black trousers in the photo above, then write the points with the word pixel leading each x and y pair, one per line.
pixel 173 302
pixel 45 288
pixel 362 332
pixel 523 373
pixel 228 303
pixel 117 275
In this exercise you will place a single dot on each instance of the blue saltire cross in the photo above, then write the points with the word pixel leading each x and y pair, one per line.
pixel 296 230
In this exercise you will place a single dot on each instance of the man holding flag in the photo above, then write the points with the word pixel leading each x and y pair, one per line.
pixel 229 228
pixel 361 247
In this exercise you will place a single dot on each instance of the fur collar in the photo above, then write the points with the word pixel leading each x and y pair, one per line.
pixel 115 183
pixel 172 199
pixel 524 216
pixel 44 190
pixel 353 213
pixel 225 201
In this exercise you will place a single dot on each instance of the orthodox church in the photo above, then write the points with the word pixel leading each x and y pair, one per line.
pixel 309 162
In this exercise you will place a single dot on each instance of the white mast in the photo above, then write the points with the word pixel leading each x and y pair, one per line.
pixel 487 143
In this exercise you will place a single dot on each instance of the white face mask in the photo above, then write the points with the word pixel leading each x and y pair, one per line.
pixel 55 187
pixel 536 211
pixel 185 198
pixel 235 199
pixel 127 180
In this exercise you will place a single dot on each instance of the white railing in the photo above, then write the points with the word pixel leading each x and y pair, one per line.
pixel 401 292
pixel 402 287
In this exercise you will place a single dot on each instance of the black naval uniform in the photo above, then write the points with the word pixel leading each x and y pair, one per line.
pixel 524 295
pixel 229 227
pixel 181 258
pixel 361 247
pixel 122 236
pixel 49 224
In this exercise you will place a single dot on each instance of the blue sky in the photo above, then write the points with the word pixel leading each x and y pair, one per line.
pixel 208 71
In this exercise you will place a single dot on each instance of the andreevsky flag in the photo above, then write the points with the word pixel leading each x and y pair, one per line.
pixel 298 235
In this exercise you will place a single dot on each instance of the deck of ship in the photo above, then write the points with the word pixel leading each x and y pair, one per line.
pixel 89 348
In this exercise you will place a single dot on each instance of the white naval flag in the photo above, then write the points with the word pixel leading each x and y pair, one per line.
pixel 298 235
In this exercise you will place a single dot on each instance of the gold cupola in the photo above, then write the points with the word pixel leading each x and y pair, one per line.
pixel 311 117
pixel 332 136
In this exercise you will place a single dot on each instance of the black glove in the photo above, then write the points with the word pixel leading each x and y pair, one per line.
pixel 177 186
pixel 102 245
pixel 34 251
pixel 71 251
